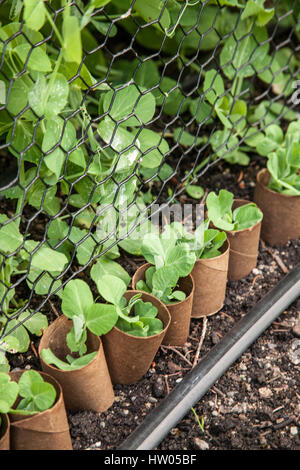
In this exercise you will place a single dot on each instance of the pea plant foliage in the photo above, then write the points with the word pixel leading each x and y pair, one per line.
pixel 169 261
pixel 135 317
pixel 223 216
pixel 87 315
pixel 30 395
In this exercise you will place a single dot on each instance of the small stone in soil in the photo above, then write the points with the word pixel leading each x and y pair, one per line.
pixel 294 352
pixel 293 430
pixel 265 392
pixel 158 388
pixel 200 444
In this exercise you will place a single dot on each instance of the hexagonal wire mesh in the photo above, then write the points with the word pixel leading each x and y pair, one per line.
pixel 109 106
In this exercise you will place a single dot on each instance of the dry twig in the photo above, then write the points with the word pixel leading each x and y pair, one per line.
pixel 33 349
pixel 277 258
pixel 204 197
pixel 167 384
pixel 177 352
pixel 53 308
pixel 217 390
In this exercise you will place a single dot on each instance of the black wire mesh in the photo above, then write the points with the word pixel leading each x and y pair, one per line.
pixel 108 107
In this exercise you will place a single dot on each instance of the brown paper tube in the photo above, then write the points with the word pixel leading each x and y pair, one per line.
pixel 48 430
pixel 210 279
pixel 179 328
pixel 129 357
pixel 87 388
pixel 4 432
pixel 243 248
pixel 281 221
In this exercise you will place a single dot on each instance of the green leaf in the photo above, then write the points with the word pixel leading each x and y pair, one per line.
pixel 194 191
pixel 34 14
pixel 213 86
pixel 153 10
pixel 77 298
pixel 49 97
pixel 35 58
pixel 155 325
pixel 177 295
pixel 26 381
pixel 273 138
pixel 39 394
pixel 10 344
pixel 146 73
pixel 186 139
pixel 171 98
pixel 246 216
pixel 24 136
pixel 284 178
pixel 219 209
pixel 241 52
pixel 213 240
pixel 57 231
pixel 85 248
pixel 82 361
pixel 111 288
pixel 77 336
pixel 181 259
pixel 43 198
pixel 107 266
pixel 72 39
pixel 20 334
pixel 36 324
pixel 133 243
pixel 57 132
pixel 46 284
pixel 8 392
pixel 135 329
pixel 141 285
pixel 47 259
pixel 201 110
pixel 119 139
pixel 256 8
pixel 50 358
pixel 101 318
pixel 145 309
pixel 153 146
pixel 163 281
pixel 4 364
pixel 237 158
pixel 10 237
pixel 153 249
pixel 129 105
pixel 72 70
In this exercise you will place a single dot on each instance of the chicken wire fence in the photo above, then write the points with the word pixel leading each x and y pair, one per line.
pixel 108 107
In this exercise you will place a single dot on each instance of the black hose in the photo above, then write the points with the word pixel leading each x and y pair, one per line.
pixel 198 381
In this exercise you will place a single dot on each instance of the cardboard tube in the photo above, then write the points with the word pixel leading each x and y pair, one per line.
pixel 210 279
pixel 243 248
pixel 281 221
pixel 179 328
pixel 87 388
pixel 129 357
pixel 4 432
pixel 48 430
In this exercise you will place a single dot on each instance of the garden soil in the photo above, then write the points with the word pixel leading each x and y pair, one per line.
pixel 255 404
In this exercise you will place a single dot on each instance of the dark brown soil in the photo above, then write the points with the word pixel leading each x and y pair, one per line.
pixel 255 404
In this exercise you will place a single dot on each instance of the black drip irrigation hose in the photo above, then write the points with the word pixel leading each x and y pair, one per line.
pixel 200 379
